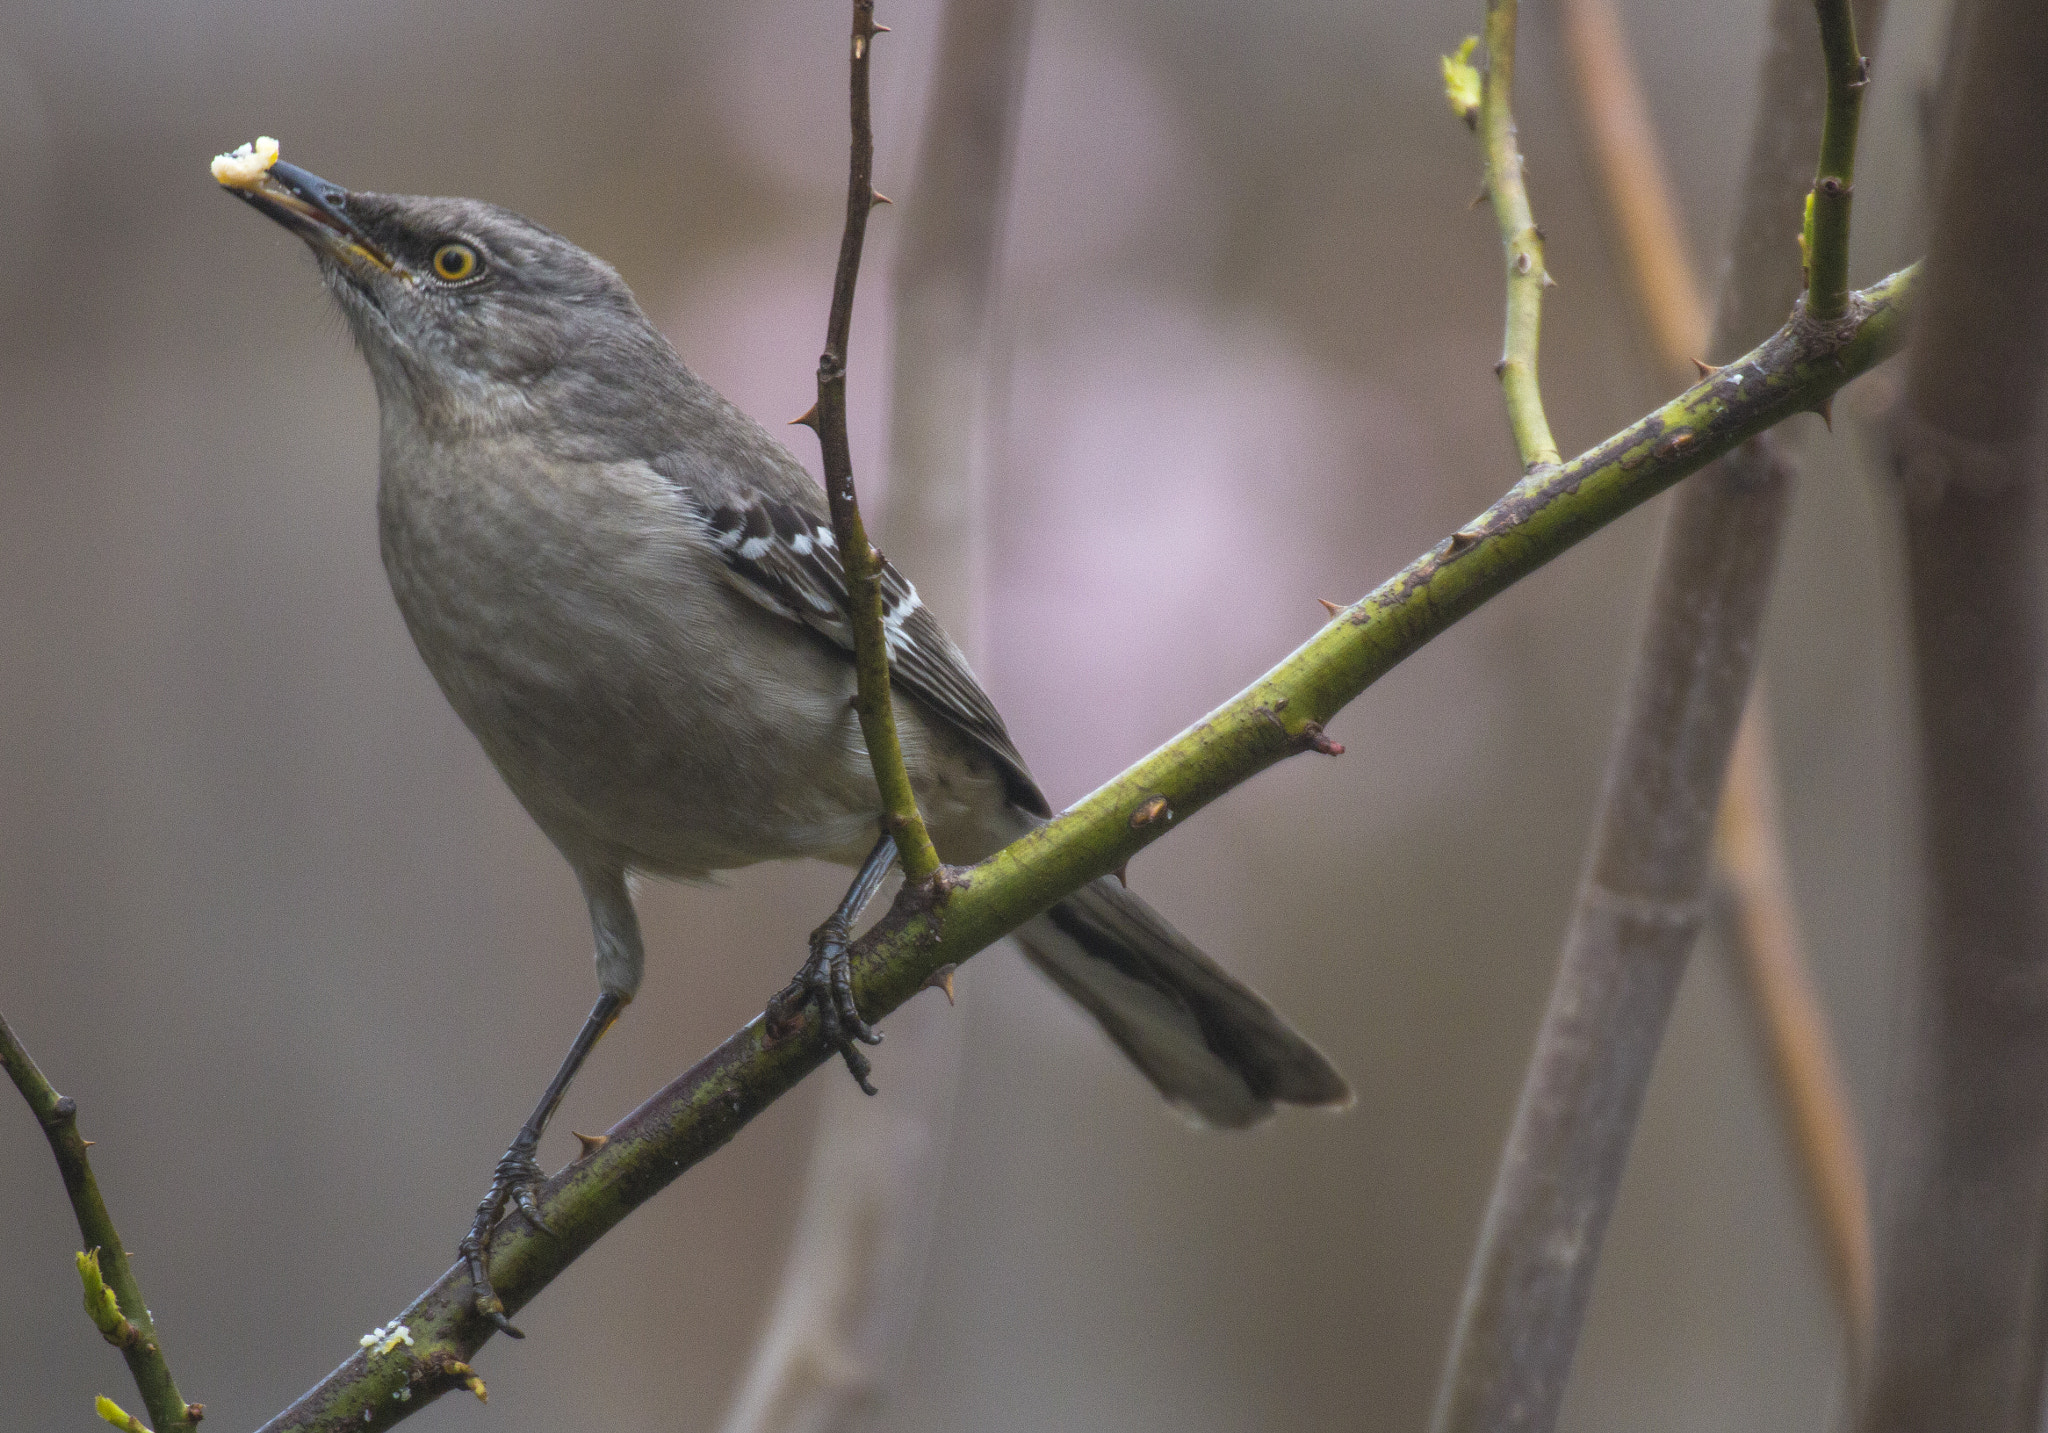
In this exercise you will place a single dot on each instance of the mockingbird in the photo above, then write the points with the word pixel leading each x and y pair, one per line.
pixel 630 592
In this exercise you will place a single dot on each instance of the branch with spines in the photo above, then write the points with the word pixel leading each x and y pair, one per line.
pixel 1824 237
pixel 1485 100
pixel 962 911
pixel 862 564
pixel 113 1298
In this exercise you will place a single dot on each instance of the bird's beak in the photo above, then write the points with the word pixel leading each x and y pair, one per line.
pixel 311 207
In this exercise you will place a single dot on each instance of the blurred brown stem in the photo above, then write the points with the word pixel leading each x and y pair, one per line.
pixel 1642 897
pixel 1964 1174
pixel 1761 920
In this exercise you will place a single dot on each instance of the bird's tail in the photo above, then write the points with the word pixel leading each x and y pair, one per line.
pixel 1210 1044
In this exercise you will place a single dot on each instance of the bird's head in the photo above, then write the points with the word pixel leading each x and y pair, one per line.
pixel 470 316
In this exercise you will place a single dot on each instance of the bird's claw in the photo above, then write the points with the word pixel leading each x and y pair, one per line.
pixel 827 980
pixel 514 1183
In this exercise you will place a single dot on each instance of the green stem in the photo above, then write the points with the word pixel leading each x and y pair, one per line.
pixel 862 563
pixel 58 1115
pixel 1521 241
pixel 1827 208
pixel 1278 716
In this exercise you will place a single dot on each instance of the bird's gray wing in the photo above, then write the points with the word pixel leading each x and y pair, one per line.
pixel 781 553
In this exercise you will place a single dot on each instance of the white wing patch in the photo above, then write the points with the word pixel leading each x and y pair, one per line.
pixel 780 556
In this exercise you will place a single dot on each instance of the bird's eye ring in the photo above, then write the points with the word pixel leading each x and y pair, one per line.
pixel 455 263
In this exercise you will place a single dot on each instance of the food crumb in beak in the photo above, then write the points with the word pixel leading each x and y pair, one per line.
pixel 244 168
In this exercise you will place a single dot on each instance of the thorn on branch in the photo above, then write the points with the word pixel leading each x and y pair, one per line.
pixel 941 979
pixel 808 418
pixel 591 1144
pixel 1459 541
pixel 876 196
pixel 1707 370
pixel 1313 739
pixel 1826 409
pixel 1333 608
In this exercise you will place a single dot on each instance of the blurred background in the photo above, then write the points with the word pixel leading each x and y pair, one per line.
pixel 276 924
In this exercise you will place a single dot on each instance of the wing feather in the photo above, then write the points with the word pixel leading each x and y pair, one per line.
pixel 783 555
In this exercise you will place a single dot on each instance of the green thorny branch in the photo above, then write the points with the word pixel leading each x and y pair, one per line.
pixel 1485 101
pixel 863 565
pixel 1824 239
pixel 957 912
pixel 113 1300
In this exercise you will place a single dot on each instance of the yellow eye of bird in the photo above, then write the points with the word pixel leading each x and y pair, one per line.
pixel 455 262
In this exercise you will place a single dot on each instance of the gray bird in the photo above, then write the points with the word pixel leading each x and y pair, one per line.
pixel 630 593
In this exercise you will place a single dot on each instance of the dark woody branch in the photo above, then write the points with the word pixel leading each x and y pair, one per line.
pixel 862 563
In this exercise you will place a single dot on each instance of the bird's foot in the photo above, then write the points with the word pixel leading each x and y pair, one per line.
pixel 513 1185
pixel 827 980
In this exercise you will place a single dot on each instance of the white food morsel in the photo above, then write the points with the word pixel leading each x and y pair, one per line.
pixel 244 168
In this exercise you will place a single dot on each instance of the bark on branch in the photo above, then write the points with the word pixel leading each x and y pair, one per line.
pixel 1963 1228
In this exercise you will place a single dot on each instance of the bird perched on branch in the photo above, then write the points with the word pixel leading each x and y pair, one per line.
pixel 630 593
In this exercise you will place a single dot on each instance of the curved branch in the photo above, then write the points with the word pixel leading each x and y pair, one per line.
pixel 944 920
pixel 862 563
pixel 1521 241
pixel 127 1325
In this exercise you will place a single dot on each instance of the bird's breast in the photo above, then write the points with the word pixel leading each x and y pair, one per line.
pixel 576 618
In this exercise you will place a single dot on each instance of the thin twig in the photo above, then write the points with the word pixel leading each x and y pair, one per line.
pixel 128 1326
pixel 1762 921
pixel 839 1322
pixel 1642 897
pixel 1964 1172
pixel 1521 242
pixel 949 919
pixel 863 565
pixel 1825 234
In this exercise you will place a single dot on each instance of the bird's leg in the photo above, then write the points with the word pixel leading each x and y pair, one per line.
pixel 518 1174
pixel 827 977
